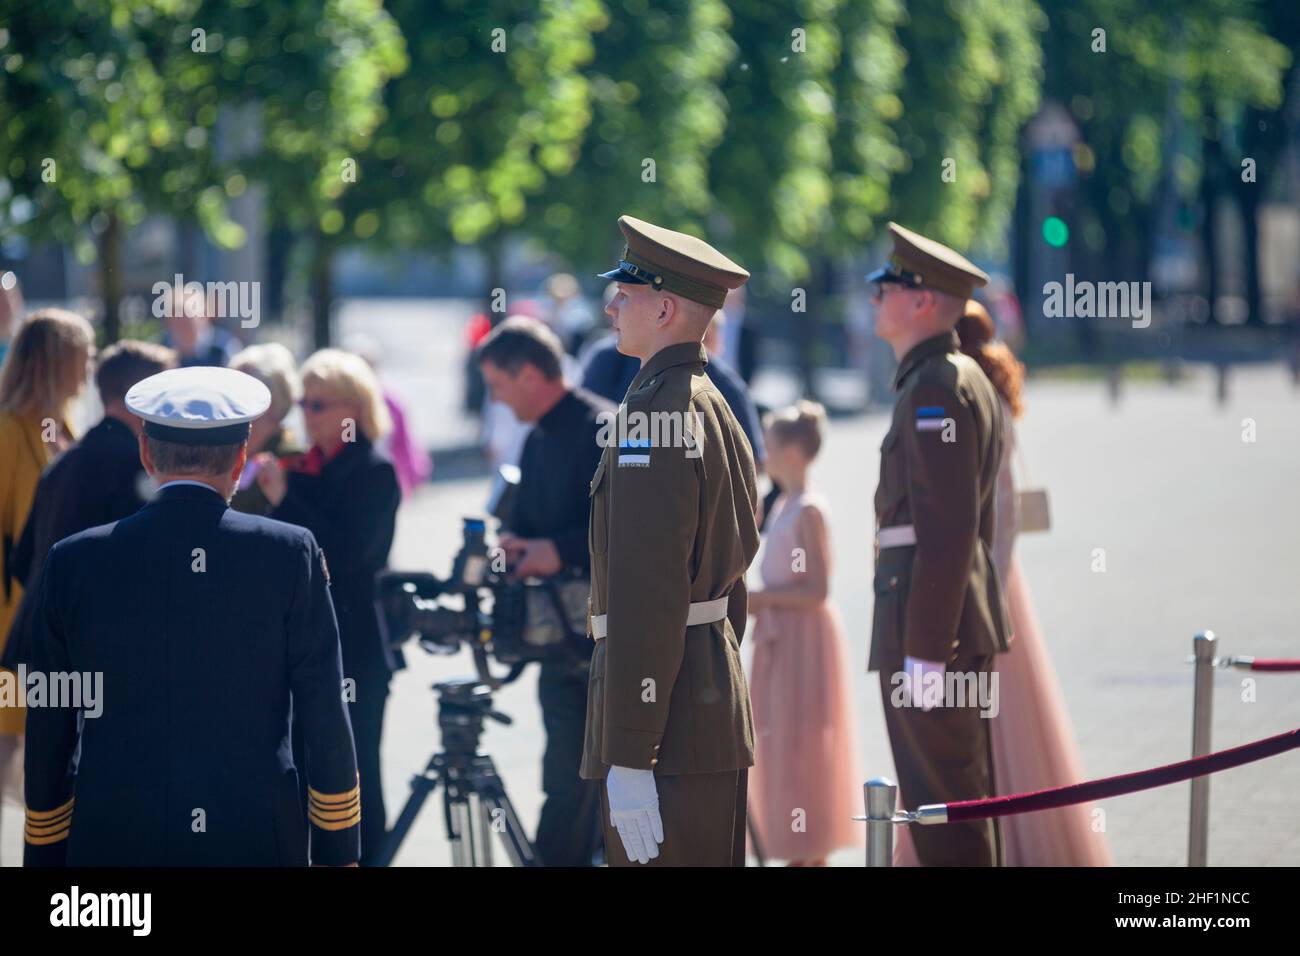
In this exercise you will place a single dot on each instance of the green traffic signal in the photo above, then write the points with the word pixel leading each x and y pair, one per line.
pixel 1055 232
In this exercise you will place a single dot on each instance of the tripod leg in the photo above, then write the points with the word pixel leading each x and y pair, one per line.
pixel 482 810
pixel 501 814
pixel 421 786
pixel 504 820
pixel 459 833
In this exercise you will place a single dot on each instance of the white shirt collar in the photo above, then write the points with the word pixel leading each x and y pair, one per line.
pixel 188 481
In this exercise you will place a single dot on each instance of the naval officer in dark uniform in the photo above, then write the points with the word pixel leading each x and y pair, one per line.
pixel 204 623
pixel 939 614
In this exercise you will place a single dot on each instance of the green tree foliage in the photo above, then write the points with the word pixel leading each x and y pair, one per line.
pixel 494 105
pixel 864 148
pixel 1212 57
pixel 89 126
pixel 772 173
pixel 126 97
pixel 657 115
pixel 972 80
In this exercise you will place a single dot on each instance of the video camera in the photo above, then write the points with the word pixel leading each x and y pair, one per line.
pixel 484 608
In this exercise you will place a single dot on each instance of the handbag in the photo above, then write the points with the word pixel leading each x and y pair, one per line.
pixel 1032 511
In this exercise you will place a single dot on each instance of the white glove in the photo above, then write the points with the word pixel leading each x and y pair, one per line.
pixel 634 812
pixel 920 669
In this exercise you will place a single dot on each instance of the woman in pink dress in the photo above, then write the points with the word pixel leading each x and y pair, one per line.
pixel 804 787
pixel 1033 740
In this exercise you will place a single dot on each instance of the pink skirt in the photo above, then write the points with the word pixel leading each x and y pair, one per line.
pixel 804 788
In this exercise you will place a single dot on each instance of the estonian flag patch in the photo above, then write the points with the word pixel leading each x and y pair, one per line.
pixel 634 453
pixel 929 418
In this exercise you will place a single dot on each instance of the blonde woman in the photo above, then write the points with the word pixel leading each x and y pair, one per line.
pixel 346 492
pixel 273 365
pixel 45 371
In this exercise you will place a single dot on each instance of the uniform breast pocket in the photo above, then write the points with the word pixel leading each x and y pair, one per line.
pixel 893 473
pixel 598 518
pixel 889 616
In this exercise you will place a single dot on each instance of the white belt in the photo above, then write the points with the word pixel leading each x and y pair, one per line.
pixel 701 612
pixel 899 536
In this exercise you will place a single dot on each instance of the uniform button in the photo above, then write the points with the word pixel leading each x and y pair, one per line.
pixel 893 582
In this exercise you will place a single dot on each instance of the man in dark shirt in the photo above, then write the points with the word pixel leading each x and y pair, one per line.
pixel 608 372
pixel 97 481
pixel 546 535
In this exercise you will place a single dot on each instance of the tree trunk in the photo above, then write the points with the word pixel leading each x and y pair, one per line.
pixel 111 278
pixel 808 325
pixel 322 292
pixel 1213 153
pixel 496 309
pixel 279 250
pixel 1250 229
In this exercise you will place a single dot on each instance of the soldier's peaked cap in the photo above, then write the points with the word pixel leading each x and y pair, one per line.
pixel 918 261
pixel 199 405
pixel 676 262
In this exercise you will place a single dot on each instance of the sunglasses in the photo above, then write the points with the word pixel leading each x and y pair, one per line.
pixel 314 405
pixel 879 287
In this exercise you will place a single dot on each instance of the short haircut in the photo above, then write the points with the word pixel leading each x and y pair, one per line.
pixel 173 458
pixel 698 316
pixel 272 364
pixel 802 424
pixel 124 363
pixel 520 340
pixel 950 306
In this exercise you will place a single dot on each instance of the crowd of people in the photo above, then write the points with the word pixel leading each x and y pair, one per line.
pixel 334 479
pixel 549 384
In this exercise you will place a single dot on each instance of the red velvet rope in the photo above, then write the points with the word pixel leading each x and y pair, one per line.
pixel 1274 664
pixel 1125 783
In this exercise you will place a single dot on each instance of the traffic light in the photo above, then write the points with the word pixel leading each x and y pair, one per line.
pixel 1055 232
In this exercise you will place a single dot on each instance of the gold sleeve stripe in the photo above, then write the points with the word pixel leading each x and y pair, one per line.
pixel 334 799
pixel 45 840
pixel 355 800
pixel 350 821
pixel 38 815
pixel 42 828
pixel 334 813
pixel 56 834
pixel 329 807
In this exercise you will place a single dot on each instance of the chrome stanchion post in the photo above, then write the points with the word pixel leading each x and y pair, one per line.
pixel 881 796
pixel 1203 648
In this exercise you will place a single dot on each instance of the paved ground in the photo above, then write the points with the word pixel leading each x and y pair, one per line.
pixel 1200 530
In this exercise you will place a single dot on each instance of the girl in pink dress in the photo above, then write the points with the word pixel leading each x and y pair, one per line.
pixel 1033 741
pixel 804 787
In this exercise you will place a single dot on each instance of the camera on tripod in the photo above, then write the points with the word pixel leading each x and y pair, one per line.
pixel 482 607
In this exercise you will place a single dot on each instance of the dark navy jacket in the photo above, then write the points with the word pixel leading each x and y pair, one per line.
pixel 97 480
pixel 351 508
pixel 189 762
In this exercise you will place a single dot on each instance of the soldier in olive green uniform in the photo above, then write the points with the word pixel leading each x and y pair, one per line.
pixel 672 533
pixel 938 611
